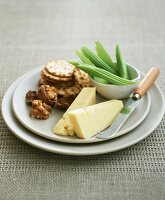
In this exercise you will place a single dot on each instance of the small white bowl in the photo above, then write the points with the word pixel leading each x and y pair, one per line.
pixel 118 91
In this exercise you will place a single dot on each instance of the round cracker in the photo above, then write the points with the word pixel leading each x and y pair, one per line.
pixel 53 77
pixel 44 81
pixel 82 78
pixel 71 81
pixel 60 68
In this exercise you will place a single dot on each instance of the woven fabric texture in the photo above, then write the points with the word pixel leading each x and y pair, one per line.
pixel 137 172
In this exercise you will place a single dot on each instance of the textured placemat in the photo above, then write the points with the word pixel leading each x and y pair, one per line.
pixel 137 172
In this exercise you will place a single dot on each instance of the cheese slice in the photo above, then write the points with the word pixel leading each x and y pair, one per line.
pixel 90 120
pixel 86 97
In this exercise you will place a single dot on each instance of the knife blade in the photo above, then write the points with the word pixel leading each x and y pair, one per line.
pixel 131 104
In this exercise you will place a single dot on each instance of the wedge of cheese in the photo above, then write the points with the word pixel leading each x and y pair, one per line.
pixel 90 120
pixel 86 97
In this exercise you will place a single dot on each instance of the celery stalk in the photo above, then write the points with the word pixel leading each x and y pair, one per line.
pixel 83 57
pixel 103 54
pixel 101 73
pixel 98 62
pixel 123 72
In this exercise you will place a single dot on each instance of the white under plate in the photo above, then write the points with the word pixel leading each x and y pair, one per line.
pixel 143 130
pixel 44 127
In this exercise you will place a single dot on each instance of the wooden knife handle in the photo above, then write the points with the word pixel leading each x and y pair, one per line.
pixel 147 81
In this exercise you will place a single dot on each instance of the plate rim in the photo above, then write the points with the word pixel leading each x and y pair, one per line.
pixel 65 152
pixel 65 139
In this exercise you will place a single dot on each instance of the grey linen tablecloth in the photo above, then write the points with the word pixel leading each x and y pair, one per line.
pixel 34 32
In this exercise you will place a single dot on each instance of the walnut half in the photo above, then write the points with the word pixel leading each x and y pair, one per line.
pixel 47 94
pixel 30 96
pixel 40 110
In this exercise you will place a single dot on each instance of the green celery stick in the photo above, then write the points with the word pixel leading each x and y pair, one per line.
pixel 100 80
pixel 101 73
pixel 83 57
pixel 103 54
pixel 97 61
pixel 123 72
pixel 75 62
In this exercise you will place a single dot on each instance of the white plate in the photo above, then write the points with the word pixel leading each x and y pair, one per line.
pixel 44 127
pixel 143 130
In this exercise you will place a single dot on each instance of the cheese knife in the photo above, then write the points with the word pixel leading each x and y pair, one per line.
pixel 131 104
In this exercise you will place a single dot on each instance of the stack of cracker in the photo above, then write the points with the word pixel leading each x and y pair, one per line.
pixel 66 79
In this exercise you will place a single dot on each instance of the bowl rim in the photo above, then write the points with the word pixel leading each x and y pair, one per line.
pixel 136 79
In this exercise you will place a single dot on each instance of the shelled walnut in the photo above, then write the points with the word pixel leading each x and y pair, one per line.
pixel 30 96
pixel 47 94
pixel 40 110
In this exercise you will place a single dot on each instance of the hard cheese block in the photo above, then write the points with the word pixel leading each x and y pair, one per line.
pixel 90 120
pixel 86 97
